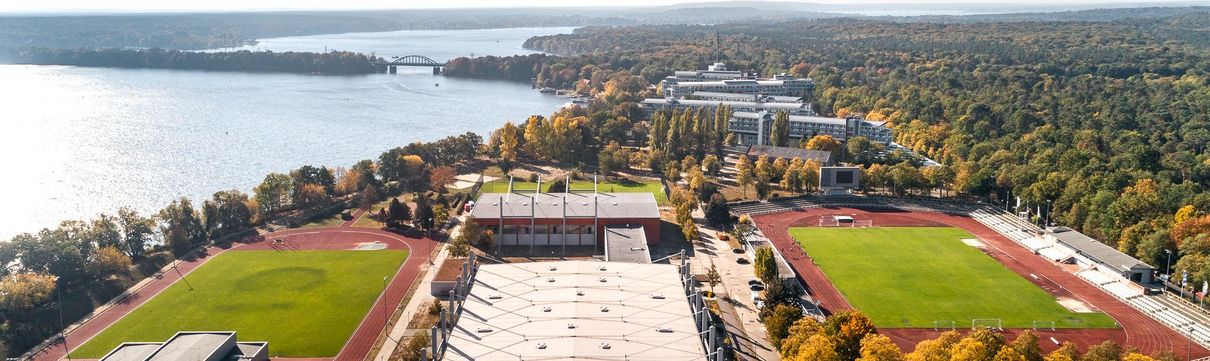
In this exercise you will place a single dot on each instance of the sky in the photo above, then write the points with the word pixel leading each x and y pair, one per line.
pixel 179 5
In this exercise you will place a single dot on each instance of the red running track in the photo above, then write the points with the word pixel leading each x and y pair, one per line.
pixel 1137 329
pixel 357 348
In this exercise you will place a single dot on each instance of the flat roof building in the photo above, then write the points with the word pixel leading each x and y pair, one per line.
pixel 576 310
pixel 754 128
pixel 192 346
pixel 534 218
pixel 652 105
pixel 820 156
pixel 1101 254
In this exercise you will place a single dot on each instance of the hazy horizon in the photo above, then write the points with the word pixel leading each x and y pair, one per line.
pixel 142 6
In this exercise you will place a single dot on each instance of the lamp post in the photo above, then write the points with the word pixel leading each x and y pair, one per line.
pixel 1168 266
pixel 1189 345
pixel 386 317
pixel 1047 213
pixel 62 327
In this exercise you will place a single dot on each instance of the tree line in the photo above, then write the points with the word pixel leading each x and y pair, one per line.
pixel 335 62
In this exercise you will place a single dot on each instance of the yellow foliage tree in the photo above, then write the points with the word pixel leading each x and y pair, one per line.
pixel 968 349
pixel 875 347
pixel 817 348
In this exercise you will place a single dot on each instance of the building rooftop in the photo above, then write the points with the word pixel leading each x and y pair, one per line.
pixel 576 309
pixel 188 346
pixel 626 243
pixel 763 82
pixel 821 156
pixel 1095 250
pixel 731 103
pixel 570 205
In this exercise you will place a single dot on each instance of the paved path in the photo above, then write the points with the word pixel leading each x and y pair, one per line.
pixel 1138 330
pixel 331 238
pixel 741 316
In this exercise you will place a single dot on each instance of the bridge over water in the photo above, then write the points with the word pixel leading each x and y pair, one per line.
pixel 390 66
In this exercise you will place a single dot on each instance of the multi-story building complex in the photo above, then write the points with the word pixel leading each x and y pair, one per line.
pixel 720 80
pixel 754 128
pixel 754 102
pixel 656 104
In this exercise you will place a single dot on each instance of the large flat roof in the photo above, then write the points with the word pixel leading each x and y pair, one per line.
pixel 577 205
pixel 186 345
pixel 1095 250
pixel 563 310
pixel 626 243
pixel 822 156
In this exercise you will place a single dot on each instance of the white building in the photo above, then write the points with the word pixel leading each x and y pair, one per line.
pixel 754 128
pixel 793 108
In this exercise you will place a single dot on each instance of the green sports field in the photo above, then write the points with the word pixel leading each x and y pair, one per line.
pixel 914 276
pixel 304 303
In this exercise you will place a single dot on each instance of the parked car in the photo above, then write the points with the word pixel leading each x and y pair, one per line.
pixel 756 287
pixel 741 260
pixel 755 282
pixel 737 250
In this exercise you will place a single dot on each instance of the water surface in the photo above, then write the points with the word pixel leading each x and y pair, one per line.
pixel 76 142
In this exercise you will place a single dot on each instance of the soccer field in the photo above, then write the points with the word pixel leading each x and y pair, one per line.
pixel 304 303
pixel 915 276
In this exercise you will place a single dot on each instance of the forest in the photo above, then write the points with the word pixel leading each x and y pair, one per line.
pixel 1104 124
pixel 336 62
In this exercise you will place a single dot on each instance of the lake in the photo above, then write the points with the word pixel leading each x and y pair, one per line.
pixel 81 141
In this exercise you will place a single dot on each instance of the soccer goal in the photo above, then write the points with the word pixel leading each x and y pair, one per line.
pixel 828 222
pixel 992 323
pixel 863 223
pixel 944 325
pixel 1044 325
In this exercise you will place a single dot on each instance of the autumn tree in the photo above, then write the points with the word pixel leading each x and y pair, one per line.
pixel 824 142
pixel 765 265
pixel 136 232
pixel 779 135
pixel 1026 345
pixel 107 261
pixel 273 193
pixel 712 165
pixel 713 277
pixel 24 290
pixel 744 174
pixel 1105 351
pixel 817 348
pixel 875 347
pixel 181 226
pixel 441 177
pixel 847 328
pixel 1066 352
pixel 778 319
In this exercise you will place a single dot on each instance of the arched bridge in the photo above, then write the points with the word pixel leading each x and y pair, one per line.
pixel 389 65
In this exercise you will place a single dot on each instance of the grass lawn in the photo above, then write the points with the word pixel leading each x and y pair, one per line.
pixel 304 303
pixel 329 221
pixel 913 276
pixel 617 186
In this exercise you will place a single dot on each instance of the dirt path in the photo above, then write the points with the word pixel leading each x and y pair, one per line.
pixel 323 238
pixel 1138 330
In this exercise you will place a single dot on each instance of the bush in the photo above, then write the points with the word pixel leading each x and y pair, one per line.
pixel 435 307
